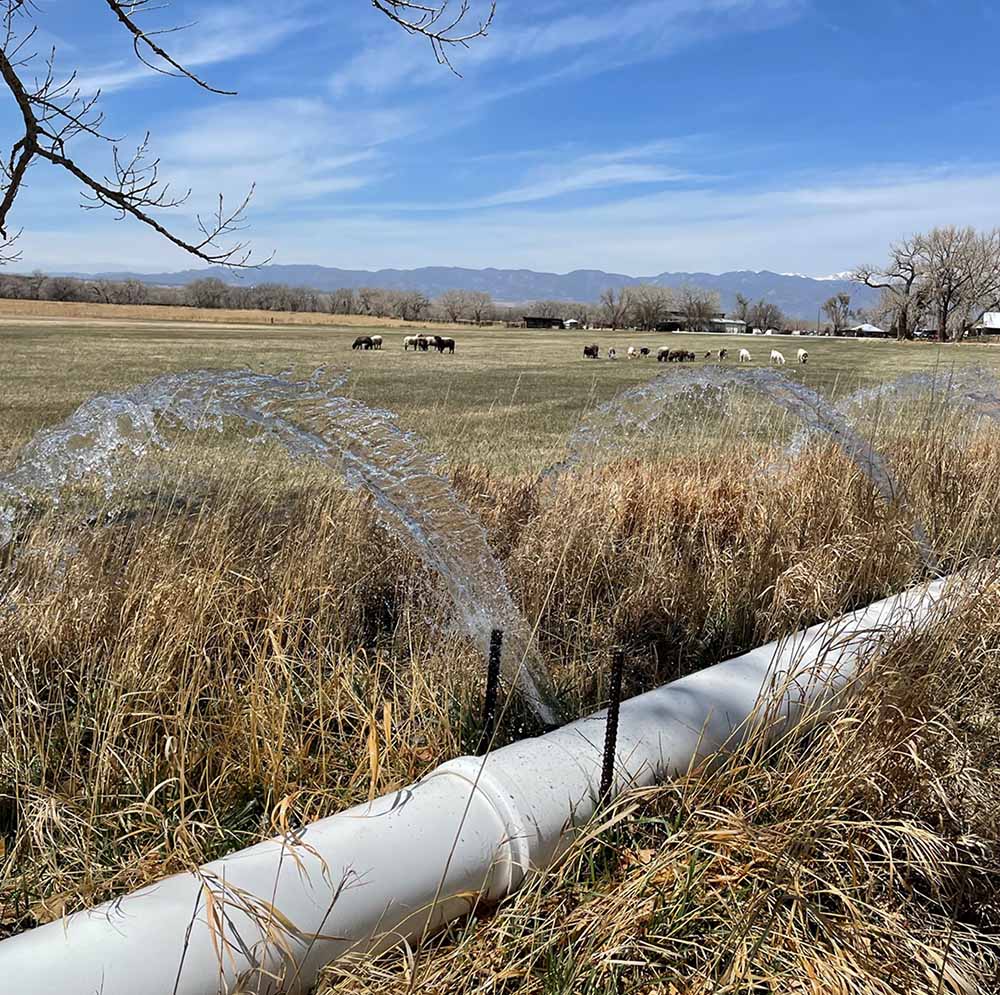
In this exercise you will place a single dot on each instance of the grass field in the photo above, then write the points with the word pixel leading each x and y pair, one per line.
pixel 531 387
pixel 241 646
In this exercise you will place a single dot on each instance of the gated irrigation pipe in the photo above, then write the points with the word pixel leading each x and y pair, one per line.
pixel 267 919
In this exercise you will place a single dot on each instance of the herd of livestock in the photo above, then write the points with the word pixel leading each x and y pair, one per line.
pixel 667 355
pixel 424 343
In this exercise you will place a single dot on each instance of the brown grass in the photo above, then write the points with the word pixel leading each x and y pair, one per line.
pixel 242 643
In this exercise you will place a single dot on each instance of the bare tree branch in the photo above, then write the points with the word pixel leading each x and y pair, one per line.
pixel 54 111
pixel 441 22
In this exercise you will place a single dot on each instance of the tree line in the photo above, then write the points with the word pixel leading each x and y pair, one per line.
pixel 944 281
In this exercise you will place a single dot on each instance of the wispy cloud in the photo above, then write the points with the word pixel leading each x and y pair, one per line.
pixel 221 34
pixel 628 32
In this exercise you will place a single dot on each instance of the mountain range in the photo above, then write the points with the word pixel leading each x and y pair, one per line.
pixel 798 296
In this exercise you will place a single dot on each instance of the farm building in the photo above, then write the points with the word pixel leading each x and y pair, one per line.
pixel 867 331
pixel 534 321
pixel 675 321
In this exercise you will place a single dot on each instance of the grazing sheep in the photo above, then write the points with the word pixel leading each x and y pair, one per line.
pixel 591 352
pixel 722 354
pixel 663 354
pixel 411 340
pixel 803 356
pixel 424 342
pixel 612 354
pixel 745 356
pixel 777 358
pixel 376 341
pixel 362 342
pixel 632 353
pixel 644 352
pixel 676 356
pixel 444 345
pixel 690 356
pixel 708 355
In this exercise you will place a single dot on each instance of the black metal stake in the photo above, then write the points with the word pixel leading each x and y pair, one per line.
pixel 611 729
pixel 492 689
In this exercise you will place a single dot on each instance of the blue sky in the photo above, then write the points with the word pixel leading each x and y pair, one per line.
pixel 634 136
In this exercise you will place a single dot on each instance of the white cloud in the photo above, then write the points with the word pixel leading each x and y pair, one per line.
pixel 626 33
pixel 805 227
pixel 221 34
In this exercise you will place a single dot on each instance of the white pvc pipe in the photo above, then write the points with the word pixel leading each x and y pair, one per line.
pixel 268 918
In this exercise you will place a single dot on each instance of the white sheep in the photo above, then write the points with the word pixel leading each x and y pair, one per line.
pixel 777 358
pixel 745 356
pixel 376 341
pixel 632 353
pixel 803 356
pixel 612 354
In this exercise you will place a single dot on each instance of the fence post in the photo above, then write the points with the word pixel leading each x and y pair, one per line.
pixel 611 729
pixel 492 690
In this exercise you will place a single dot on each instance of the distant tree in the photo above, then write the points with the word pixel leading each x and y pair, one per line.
pixel 838 310
pixel 699 307
pixel 207 293
pixel 580 312
pixel 743 307
pixel 904 294
pixel 548 309
pixel 481 306
pixel 614 306
pixel 410 305
pixel 767 315
pixel 454 304
pixel 342 301
pixel 60 288
pixel 134 292
pixel 650 305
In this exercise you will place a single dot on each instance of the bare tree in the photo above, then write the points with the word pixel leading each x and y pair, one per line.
pixel 766 315
pixel 699 307
pixel 904 295
pixel 481 306
pixel 548 309
pixel 54 111
pixel 838 310
pixel 409 305
pixel 948 258
pixel 650 305
pixel 614 307
pixel 743 308
pixel 454 303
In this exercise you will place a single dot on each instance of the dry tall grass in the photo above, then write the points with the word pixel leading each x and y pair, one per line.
pixel 246 647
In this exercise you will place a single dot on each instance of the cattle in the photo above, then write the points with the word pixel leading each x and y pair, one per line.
pixel 411 340
pixel 424 342
pixel 632 353
pixel 376 341
pixel 722 354
pixel 777 358
pixel 745 356
pixel 644 352
pixel 591 352
pixel 612 354
pixel 663 354
pixel 802 356
pixel 444 345
pixel 362 342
